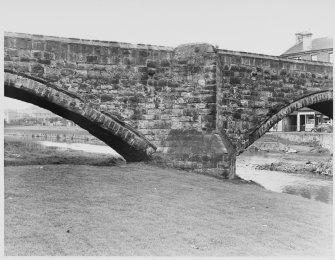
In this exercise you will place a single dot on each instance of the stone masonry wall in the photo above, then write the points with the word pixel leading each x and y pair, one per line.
pixel 167 94
pixel 253 87
pixel 197 104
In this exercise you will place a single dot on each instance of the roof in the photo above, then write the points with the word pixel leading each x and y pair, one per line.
pixel 304 109
pixel 317 44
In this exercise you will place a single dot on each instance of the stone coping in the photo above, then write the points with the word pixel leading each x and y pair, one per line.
pixel 270 57
pixel 87 42
pixel 159 48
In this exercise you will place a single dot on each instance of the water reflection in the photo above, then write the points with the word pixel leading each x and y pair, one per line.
pixel 308 186
pixel 302 191
pixel 321 193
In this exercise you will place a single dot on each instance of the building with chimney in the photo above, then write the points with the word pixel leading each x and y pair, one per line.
pixel 307 48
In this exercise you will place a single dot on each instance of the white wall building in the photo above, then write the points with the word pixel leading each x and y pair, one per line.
pixel 305 119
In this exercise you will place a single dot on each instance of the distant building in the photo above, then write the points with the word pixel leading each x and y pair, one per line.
pixel 305 119
pixel 35 116
pixel 40 113
pixel 307 48
pixel 13 115
pixel 9 116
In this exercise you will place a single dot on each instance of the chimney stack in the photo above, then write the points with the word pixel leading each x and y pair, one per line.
pixel 306 39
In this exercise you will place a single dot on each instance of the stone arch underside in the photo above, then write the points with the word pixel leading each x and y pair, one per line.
pixel 321 101
pixel 123 138
pixel 325 108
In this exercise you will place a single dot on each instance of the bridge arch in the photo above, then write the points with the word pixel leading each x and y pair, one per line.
pixel 123 138
pixel 321 101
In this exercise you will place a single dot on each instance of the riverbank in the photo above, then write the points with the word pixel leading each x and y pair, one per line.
pixel 320 139
pixel 302 158
pixel 18 153
pixel 324 168
pixel 65 202
pixel 66 133
pixel 308 185
pixel 307 157
pixel 46 129
pixel 137 209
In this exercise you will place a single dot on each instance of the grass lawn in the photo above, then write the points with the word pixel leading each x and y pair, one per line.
pixel 138 209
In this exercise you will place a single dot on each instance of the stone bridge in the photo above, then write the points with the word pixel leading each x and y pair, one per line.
pixel 192 107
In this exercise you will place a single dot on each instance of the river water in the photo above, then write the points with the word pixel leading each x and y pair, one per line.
pixel 309 186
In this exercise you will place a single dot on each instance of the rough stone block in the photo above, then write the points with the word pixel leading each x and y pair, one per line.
pixel 22 43
pixel 91 59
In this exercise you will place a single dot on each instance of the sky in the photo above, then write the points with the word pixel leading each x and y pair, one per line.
pixel 259 26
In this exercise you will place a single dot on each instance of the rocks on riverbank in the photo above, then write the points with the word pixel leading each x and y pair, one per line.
pixel 322 168
pixel 318 159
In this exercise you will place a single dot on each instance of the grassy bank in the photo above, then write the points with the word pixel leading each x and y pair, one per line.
pixel 145 210
pixel 20 153
pixel 58 202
